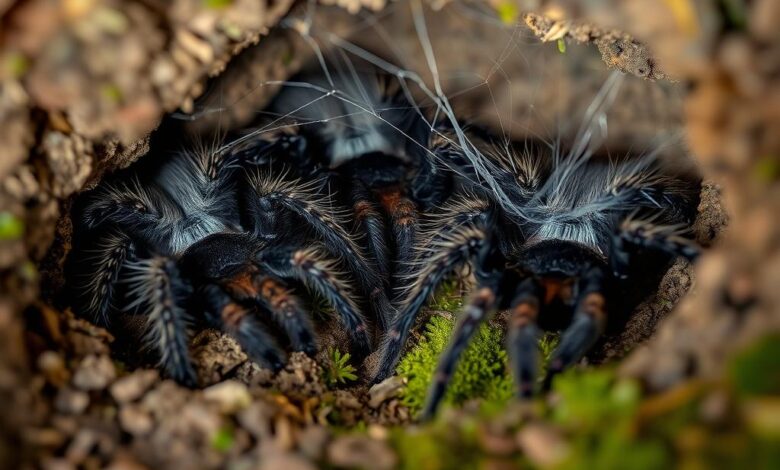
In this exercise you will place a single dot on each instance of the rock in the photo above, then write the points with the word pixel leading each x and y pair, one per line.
pixel 286 461
pixel 81 446
pixel 355 451
pixel 257 419
pixel 166 399
pixel 132 387
pixel 215 356
pixel 57 464
pixel 71 401
pixel 496 443
pixel 312 441
pixel 52 365
pixel 230 396
pixel 385 390
pixel 542 444
pixel 94 373
pixel 135 420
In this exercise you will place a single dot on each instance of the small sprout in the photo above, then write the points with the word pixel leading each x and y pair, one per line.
pixel 11 227
pixel 339 371
pixel 561 46
pixel 223 440
pixel 507 12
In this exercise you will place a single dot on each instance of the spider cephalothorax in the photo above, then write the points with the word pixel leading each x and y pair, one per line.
pixel 207 238
pixel 583 237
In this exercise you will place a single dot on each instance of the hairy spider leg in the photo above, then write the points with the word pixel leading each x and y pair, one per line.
pixel 273 196
pixel 523 335
pixel 370 220
pixel 226 260
pixel 275 297
pixel 319 272
pixel 223 312
pixel 446 253
pixel 483 302
pixel 586 326
pixel 94 268
pixel 158 292
pixel 403 218
pixel 637 234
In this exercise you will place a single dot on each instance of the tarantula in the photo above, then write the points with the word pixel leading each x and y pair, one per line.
pixel 210 238
pixel 584 236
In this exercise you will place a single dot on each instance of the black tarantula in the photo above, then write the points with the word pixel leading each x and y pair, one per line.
pixel 216 235
pixel 583 236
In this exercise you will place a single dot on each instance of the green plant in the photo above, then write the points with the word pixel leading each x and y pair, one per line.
pixel 448 297
pixel 339 370
pixel 223 439
pixel 480 372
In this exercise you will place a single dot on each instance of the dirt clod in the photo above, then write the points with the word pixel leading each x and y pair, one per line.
pixel 94 373
pixel 361 452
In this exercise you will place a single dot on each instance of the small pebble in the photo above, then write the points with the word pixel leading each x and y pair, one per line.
pixel 134 420
pixel 94 373
pixel 542 444
pixel 71 401
pixel 231 396
pixel 385 390
pixel 355 451
pixel 132 387
pixel 278 460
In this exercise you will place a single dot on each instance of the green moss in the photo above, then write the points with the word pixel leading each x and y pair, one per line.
pixel 223 439
pixel 756 370
pixel 217 4
pixel 604 421
pixel 448 297
pixel 480 372
pixel 507 11
pixel 11 227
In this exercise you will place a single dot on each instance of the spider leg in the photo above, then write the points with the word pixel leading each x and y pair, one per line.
pixel 93 271
pixel 226 314
pixel 480 305
pixel 320 273
pixel 156 290
pixel 586 326
pixel 447 252
pixel 489 272
pixel 403 217
pixel 371 223
pixel 273 295
pixel 313 208
pixel 639 234
pixel 523 336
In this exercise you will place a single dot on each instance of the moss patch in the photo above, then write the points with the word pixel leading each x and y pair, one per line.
pixel 481 371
